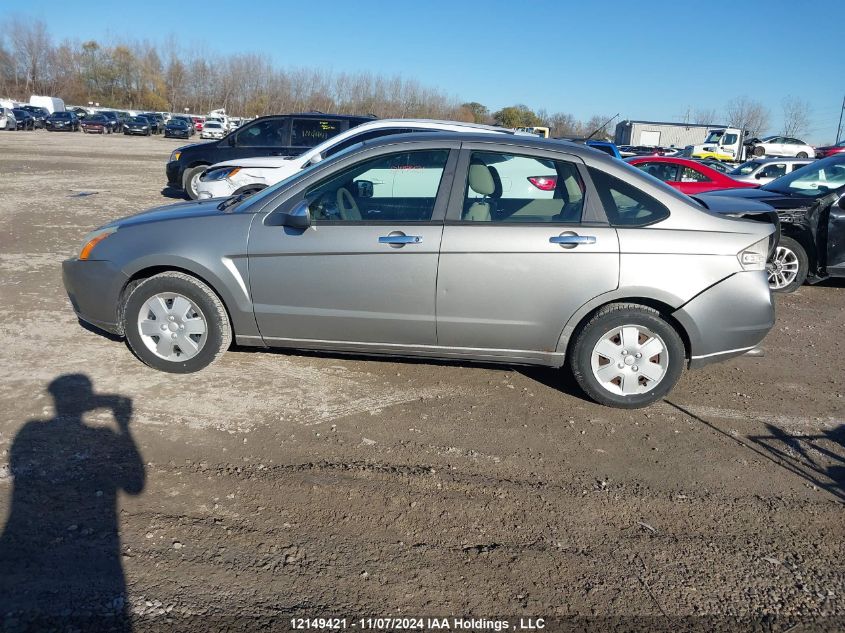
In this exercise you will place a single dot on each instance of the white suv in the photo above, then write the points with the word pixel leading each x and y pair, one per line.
pixel 8 120
pixel 247 175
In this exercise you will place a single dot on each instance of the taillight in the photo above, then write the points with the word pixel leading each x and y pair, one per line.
pixel 543 183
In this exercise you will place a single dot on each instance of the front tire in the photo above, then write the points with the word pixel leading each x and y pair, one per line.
pixel 175 323
pixel 801 155
pixel 189 180
pixel 759 151
pixel 627 356
pixel 789 266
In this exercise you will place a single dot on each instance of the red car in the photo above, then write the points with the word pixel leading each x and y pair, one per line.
pixel 199 122
pixel 688 176
pixel 830 150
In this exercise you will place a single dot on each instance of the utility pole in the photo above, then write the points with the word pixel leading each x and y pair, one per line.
pixel 839 127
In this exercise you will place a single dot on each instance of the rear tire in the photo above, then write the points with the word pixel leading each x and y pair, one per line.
pixel 625 380
pixel 789 266
pixel 147 304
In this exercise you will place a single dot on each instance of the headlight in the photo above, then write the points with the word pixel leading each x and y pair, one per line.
pixel 144 127
pixel 219 174
pixel 754 257
pixel 92 239
pixel 175 155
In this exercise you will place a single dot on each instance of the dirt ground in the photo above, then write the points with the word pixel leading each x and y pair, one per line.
pixel 279 485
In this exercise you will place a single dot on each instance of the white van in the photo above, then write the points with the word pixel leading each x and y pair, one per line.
pixel 51 104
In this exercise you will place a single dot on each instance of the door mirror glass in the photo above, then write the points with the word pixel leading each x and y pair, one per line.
pixel 299 217
pixel 364 188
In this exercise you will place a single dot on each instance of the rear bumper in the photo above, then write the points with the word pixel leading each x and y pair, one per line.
pixel 729 318
pixel 94 288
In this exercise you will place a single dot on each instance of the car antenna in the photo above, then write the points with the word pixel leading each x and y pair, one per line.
pixel 602 126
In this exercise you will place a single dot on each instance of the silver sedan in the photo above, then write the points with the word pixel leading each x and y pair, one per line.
pixel 459 246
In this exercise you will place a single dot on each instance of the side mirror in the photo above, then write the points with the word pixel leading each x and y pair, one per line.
pixel 758 175
pixel 299 217
pixel 364 188
pixel 316 158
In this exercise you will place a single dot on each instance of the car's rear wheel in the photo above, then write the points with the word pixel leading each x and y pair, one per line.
pixel 627 356
pixel 191 179
pixel 175 323
pixel 789 266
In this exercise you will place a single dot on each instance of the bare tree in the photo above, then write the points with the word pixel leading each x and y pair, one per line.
pixel 31 46
pixel 796 116
pixel 705 116
pixel 749 115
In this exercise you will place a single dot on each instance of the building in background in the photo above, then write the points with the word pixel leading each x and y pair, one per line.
pixel 661 133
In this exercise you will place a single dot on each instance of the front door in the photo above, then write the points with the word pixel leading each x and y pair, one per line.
pixel 517 257
pixel 364 273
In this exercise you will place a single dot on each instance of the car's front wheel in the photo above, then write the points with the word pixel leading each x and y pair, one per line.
pixel 801 155
pixel 789 266
pixel 627 356
pixel 191 179
pixel 175 323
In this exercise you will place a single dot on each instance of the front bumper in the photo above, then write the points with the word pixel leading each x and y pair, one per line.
pixel 729 318
pixel 94 288
pixel 215 189
pixel 174 174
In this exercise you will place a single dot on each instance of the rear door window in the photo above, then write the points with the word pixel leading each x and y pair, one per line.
pixel 625 204
pixel 667 172
pixel 688 174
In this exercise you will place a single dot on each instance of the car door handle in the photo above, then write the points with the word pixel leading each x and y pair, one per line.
pixel 569 239
pixel 397 239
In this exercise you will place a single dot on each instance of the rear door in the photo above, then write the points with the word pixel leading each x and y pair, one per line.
pixel 264 137
pixel 516 263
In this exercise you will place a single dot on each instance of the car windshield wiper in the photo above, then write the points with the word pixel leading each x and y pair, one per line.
pixel 233 200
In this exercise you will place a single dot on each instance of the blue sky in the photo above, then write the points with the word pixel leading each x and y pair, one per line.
pixel 646 60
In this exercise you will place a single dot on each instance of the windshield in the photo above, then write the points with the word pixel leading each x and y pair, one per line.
pixel 97 117
pixel 812 181
pixel 714 136
pixel 61 115
pixel 212 124
pixel 138 119
pixel 745 168
pixel 177 123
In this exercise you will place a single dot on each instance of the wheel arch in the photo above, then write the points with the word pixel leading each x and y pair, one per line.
pixel 664 305
pixel 805 239
pixel 241 316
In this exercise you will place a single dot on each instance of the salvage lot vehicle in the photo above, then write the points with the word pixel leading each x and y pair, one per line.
pixel 96 124
pixel 761 171
pixel 7 119
pixel 253 174
pixel 275 135
pixel 213 129
pixel 137 125
pixel 782 146
pixel 318 262
pixel 685 175
pixel 66 121
pixel 25 121
pixel 830 150
pixel 156 121
pixel 177 128
pixel 811 204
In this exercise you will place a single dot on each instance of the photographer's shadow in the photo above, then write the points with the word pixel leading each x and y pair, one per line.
pixel 60 553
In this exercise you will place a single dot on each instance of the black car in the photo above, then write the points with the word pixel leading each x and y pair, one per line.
pixel 156 120
pixel 39 114
pixel 274 135
pixel 62 121
pixel 810 203
pixel 25 120
pixel 177 128
pixel 188 121
pixel 115 122
pixel 139 125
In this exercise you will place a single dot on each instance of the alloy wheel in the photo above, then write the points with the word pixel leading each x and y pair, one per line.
pixel 783 269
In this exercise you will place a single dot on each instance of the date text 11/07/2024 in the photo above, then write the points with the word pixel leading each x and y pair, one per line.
pixel 418 624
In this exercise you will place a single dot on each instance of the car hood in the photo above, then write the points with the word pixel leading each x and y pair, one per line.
pixel 773 198
pixel 179 211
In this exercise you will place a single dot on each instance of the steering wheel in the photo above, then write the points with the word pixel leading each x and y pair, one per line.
pixel 347 206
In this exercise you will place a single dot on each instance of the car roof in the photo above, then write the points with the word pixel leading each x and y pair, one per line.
pixel 517 140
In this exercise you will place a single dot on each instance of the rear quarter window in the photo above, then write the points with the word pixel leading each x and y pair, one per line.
pixel 625 204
